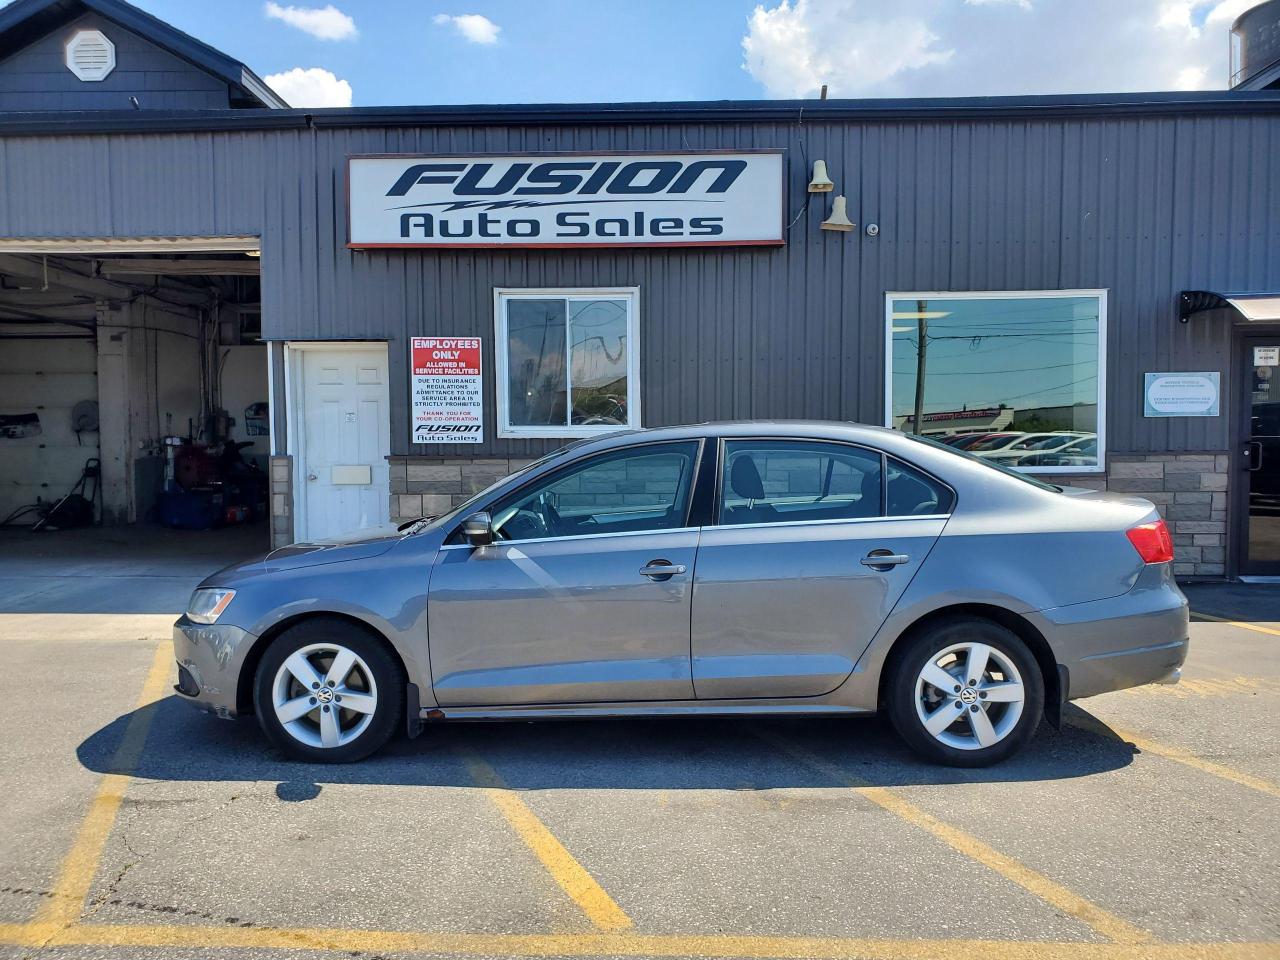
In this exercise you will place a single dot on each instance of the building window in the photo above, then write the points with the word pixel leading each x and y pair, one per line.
pixel 568 362
pixel 1015 378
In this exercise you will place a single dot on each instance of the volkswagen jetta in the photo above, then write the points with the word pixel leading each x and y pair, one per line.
pixel 746 568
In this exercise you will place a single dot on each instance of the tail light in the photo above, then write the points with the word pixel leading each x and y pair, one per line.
pixel 1152 541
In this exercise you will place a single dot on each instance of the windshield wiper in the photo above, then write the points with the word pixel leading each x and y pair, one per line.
pixel 414 526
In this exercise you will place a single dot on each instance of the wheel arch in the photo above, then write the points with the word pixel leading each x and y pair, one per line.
pixel 1055 681
pixel 249 668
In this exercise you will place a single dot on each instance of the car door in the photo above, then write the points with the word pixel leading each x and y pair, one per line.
pixel 585 594
pixel 813 544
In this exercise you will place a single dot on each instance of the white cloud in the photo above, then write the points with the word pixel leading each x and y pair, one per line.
pixel 310 87
pixel 933 48
pixel 323 23
pixel 473 26
pixel 1227 11
pixel 1024 4
pixel 1190 78
pixel 793 50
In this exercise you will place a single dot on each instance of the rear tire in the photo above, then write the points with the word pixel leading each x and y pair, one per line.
pixel 327 691
pixel 947 719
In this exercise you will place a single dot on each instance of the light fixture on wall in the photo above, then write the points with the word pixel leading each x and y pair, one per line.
pixel 820 183
pixel 839 219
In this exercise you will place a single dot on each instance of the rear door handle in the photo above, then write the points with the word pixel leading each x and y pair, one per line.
pixel 661 569
pixel 883 559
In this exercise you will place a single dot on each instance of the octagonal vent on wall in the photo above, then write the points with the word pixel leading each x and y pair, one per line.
pixel 90 55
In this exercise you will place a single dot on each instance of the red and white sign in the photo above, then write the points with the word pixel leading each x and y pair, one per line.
pixel 447 390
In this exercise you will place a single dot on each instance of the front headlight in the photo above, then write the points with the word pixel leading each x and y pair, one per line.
pixel 208 603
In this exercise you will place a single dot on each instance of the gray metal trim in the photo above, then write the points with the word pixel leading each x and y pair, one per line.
pixel 790 112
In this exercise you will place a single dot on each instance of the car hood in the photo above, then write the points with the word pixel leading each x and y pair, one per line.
pixel 358 546
pixel 316 552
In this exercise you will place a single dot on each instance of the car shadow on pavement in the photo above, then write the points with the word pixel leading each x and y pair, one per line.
pixel 742 753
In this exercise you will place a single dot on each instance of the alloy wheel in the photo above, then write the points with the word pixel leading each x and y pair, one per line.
pixel 969 696
pixel 324 695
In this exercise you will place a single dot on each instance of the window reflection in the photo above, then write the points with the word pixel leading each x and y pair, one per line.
pixel 567 362
pixel 1010 379
pixel 535 361
pixel 598 361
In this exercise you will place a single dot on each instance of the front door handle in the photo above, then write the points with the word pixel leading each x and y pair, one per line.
pixel 1252 455
pixel 661 569
pixel 884 559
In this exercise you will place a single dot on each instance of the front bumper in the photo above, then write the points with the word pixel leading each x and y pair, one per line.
pixel 209 657
pixel 1137 638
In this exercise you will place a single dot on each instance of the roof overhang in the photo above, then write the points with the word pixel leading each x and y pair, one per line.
pixel 121 245
pixel 1254 307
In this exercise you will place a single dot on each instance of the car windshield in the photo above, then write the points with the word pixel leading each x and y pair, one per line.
pixel 1007 471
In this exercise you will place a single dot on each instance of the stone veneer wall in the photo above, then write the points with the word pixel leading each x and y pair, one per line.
pixel 281 481
pixel 1189 489
pixel 425 486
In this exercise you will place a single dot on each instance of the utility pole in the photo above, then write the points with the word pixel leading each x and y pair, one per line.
pixel 922 354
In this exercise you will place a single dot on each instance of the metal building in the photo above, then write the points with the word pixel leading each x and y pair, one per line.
pixel 1081 286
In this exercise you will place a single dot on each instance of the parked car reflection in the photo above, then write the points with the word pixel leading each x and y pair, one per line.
pixel 1081 452
pixel 1032 443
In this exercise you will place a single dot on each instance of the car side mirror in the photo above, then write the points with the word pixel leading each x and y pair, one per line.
pixel 477 529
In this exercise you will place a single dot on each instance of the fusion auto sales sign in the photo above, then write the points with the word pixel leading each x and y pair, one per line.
pixel 562 200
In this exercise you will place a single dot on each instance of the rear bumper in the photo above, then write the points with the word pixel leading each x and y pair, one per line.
pixel 1126 668
pixel 1126 641
pixel 209 658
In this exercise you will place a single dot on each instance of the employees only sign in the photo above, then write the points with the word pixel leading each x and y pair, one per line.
pixel 446 390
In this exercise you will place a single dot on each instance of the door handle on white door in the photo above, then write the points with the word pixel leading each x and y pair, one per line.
pixel 311 477
pixel 884 559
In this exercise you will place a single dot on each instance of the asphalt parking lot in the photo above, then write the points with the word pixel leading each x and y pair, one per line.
pixel 133 826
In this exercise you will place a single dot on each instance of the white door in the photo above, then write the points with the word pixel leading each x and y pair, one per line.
pixel 345 438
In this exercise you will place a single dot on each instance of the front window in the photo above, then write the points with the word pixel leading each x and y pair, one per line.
pixel 635 489
pixel 1024 367
pixel 567 362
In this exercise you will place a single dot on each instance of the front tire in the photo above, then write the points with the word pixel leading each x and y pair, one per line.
pixel 966 692
pixel 327 691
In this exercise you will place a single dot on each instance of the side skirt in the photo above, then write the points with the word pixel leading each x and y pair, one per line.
pixel 561 711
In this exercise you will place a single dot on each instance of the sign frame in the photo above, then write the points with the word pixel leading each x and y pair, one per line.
pixel 1151 379
pixel 476 389
pixel 780 240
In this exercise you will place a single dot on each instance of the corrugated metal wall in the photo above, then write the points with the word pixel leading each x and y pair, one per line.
pixel 1143 206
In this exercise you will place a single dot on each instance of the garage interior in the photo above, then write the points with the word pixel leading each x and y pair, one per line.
pixel 133 391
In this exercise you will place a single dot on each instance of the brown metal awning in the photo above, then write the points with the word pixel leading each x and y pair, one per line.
pixel 1251 306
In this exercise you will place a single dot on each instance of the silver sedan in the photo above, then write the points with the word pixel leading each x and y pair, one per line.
pixel 748 568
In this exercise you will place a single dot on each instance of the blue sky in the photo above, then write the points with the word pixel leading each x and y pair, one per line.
pixel 373 52
pixel 546 50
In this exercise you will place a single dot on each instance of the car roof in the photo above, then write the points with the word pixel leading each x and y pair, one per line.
pixel 800 429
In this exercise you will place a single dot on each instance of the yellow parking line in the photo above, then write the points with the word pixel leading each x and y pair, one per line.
pixel 1236 623
pixel 720 947
pixel 581 887
pixel 66 902
pixel 1177 755
pixel 1056 895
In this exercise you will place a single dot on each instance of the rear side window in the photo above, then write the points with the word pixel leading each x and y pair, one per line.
pixel 911 493
pixel 785 481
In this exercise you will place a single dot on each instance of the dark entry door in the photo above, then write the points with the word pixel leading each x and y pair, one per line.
pixel 1260 509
